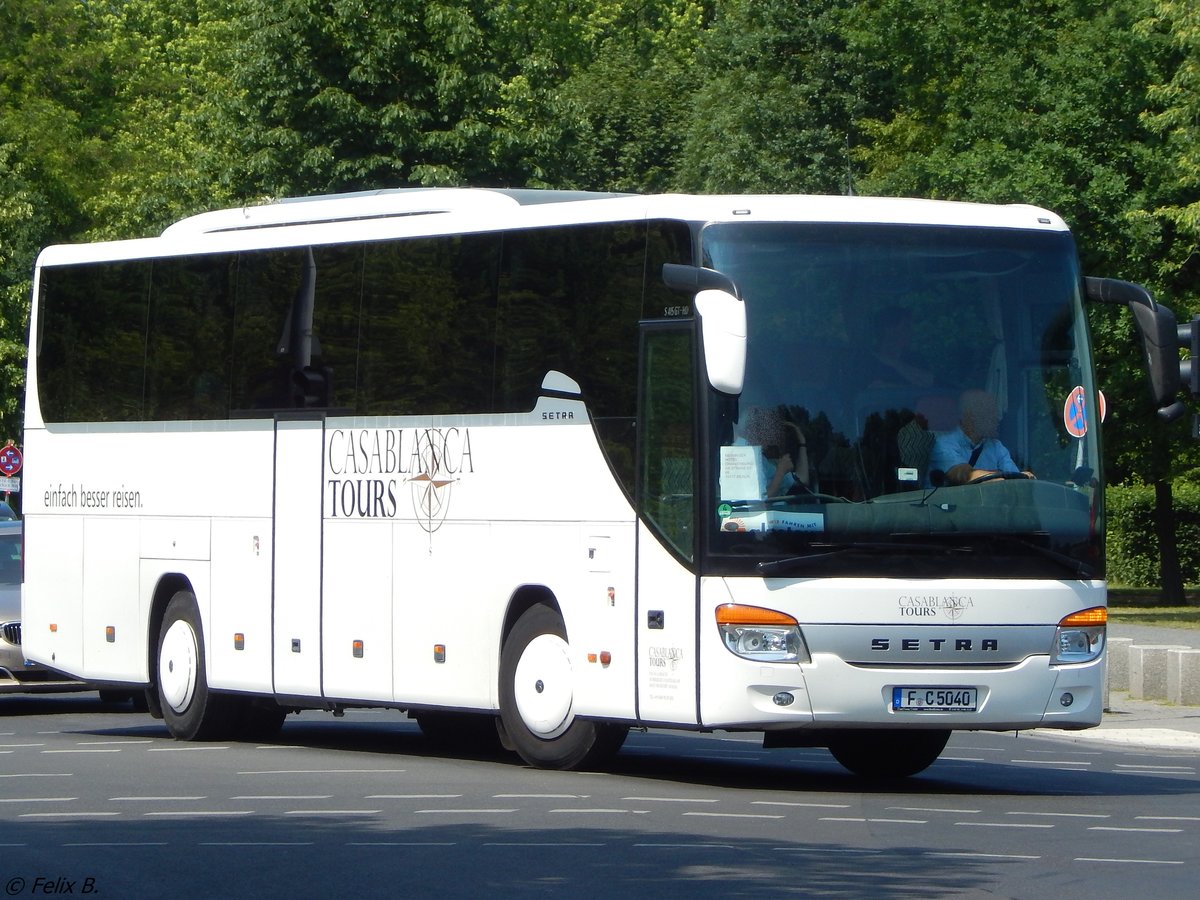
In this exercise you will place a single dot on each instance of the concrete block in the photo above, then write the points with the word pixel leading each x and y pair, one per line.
pixel 1183 677
pixel 1118 663
pixel 1148 670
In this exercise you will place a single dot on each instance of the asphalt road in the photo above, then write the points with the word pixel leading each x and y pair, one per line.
pixel 99 801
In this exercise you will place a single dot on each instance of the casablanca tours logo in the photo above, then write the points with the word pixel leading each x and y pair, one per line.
pixel 370 470
pixel 926 606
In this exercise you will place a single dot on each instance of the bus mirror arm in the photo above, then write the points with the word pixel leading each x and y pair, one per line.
pixel 1160 335
pixel 693 279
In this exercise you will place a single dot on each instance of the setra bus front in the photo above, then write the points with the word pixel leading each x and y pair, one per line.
pixel 901 511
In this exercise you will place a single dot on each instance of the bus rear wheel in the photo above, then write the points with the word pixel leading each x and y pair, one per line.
pixel 537 699
pixel 190 710
pixel 888 754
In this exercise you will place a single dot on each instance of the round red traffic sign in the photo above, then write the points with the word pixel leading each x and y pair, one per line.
pixel 10 461
pixel 1075 413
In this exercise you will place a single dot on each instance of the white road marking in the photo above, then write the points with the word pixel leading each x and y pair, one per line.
pixel 152 799
pixel 672 799
pixel 540 796
pixel 824 850
pixel 461 811
pixel 1151 862
pixel 803 805
pixel 980 855
pixel 1138 830
pixel 333 812
pixel 1003 825
pixel 543 844
pixel 1153 769
pixel 1169 818
pixel 873 820
pixel 325 772
pixel 36 799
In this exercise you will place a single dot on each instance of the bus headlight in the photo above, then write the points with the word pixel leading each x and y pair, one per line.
pixel 762 635
pixel 1080 637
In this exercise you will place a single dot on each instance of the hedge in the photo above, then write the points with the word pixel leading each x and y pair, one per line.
pixel 1132 542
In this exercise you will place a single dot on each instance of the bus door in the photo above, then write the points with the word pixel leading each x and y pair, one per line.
pixel 296 581
pixel 667 679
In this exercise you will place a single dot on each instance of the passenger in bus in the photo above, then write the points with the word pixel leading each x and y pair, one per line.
pixel 973 449
pixel 779 471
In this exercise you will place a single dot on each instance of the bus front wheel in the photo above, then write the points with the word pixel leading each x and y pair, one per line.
pixel 190 710
pixel 537 699
pixel 888 754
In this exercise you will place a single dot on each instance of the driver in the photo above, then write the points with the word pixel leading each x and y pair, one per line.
pixel 972 450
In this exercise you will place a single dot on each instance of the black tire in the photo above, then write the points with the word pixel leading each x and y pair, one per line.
pixel 888 754
pixel 190 710
pixel 536 699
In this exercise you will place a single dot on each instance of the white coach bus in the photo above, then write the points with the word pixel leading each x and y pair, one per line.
pixel 570 463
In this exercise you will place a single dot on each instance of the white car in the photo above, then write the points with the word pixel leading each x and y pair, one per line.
pixel 17 675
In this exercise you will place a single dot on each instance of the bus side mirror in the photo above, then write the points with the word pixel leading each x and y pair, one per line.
pixel 722 316
pixel 723 334
pixel 1160 338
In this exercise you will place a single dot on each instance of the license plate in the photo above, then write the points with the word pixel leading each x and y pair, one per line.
pixel 939 699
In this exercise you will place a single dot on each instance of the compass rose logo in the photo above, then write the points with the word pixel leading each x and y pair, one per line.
pixel 431 485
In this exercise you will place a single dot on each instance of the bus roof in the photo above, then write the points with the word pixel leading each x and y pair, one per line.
pixel 416 212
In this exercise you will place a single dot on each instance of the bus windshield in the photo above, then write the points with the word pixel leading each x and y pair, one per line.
pixel 918 401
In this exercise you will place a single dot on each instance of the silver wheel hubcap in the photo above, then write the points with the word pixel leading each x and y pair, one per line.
pixel 178 664
pixel 543 686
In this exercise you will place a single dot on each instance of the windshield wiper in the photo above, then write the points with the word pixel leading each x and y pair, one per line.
pixel 827 551
pixel 1078 569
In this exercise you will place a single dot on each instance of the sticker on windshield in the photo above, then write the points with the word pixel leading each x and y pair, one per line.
pixel 766 519
pixel 1075 413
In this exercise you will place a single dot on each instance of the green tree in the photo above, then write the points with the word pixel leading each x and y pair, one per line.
pixel 342 95
pixel 1041 101
pixel 619 119
pixel 56 100
pixel 780 103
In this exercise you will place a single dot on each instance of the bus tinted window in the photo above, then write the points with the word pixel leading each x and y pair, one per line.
pixel 427 326
pixel 188 339
pixel 451 325
pixel 91 360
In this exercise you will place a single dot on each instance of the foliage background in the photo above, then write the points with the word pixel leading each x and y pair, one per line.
pixel 117 118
